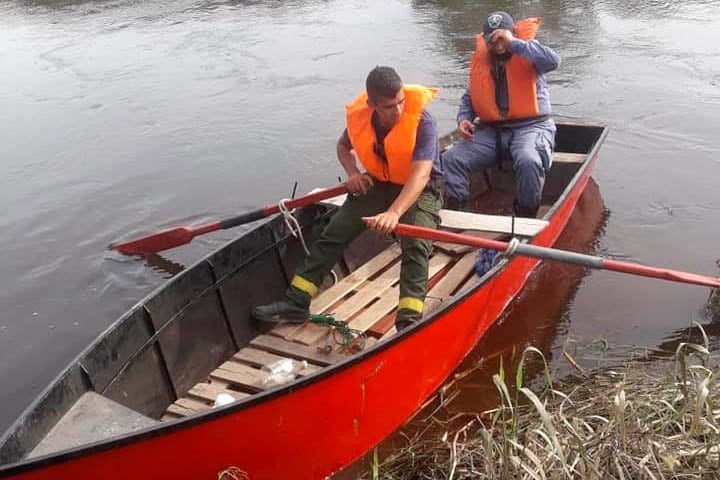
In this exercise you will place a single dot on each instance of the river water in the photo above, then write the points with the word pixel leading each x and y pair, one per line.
pixel 123 117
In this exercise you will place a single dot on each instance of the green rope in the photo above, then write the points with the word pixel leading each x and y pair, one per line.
pixel 342 333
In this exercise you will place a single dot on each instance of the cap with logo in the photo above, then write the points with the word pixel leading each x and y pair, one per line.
pixel 495 21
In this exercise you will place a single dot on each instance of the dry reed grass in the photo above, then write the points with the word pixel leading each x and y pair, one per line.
pixel 649 420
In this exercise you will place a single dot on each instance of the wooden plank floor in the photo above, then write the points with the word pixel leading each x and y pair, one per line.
pixel 366 299
pixel 242 375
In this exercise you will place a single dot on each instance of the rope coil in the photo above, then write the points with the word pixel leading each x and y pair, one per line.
pixel 343 335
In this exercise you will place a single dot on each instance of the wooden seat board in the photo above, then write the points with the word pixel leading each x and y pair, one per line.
pixel 450 282
pixel 564 157
pixel 364 295
pixel 240 375
pixel 469 283
pixel 360 275
pixel 187 406
pixel 389 300
pixel 210 391
pixel 261 358
pixel 328 297
pixel 294 350
pixel 456 248
pixel 527 227
pixel 179 411
pixel 192 404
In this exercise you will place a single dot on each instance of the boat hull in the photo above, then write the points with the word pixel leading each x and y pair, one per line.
pixel 327 420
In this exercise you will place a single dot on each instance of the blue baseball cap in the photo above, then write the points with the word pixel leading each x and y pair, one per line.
pixel 495 21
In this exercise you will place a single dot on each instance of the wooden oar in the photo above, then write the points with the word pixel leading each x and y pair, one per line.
pixel 559 255
pixel 181 235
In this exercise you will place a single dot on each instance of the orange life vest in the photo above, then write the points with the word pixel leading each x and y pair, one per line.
pixel 521 74
pixel 400 141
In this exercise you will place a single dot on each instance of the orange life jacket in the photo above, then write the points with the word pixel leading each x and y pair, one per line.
pixel 521 74
pixel 400 141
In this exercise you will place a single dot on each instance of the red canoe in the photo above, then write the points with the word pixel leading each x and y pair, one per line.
pixel 137 403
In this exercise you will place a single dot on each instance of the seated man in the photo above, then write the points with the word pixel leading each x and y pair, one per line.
pixel 396 140
pixel 508 93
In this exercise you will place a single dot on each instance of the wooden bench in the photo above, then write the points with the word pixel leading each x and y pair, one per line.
pixel 526 227
pixel 564 157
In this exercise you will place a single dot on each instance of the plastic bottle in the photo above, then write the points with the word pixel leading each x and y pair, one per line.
pixel 223 399
pixel 282 371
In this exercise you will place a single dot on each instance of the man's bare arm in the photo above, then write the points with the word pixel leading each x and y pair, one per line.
pixel 357 182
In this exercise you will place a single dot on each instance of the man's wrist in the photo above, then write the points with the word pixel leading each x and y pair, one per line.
pixel 516 45
pixel 463 119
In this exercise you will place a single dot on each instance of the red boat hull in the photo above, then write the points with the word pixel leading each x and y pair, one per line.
pixel 329 419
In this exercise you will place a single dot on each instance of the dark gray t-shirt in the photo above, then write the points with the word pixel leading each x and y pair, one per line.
pixel 427 144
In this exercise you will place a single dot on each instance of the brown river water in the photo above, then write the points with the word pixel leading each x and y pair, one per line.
pixel 123 117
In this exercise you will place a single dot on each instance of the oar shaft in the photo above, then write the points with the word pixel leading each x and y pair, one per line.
pixel 308 199
pixel 181 235
pixel 268 210
pixel 241 219
pixel 546 253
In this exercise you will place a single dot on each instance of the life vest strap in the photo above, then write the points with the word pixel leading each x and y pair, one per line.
pixel 515 122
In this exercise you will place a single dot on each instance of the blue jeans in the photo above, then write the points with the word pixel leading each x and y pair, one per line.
pixel 529 146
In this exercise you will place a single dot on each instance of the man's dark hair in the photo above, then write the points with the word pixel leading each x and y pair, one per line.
pixel 383 82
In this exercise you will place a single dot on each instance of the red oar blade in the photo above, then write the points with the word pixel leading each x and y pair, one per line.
pixel 182 235
pixel 662 273
pixel 162 241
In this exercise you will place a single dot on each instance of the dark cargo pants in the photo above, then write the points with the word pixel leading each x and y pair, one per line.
pixel 347 224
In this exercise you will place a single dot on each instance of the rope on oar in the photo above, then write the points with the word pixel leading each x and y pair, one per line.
pixel 508 252
pixel 292 223
pixel 349 338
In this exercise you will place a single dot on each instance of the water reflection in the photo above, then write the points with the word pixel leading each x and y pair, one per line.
pixel 708 319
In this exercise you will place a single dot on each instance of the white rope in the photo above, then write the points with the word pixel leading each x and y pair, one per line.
pixel 508 252
pixel 512 247
pixel 292 223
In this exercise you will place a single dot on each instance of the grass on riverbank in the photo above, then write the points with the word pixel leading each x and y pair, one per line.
pixel 649 420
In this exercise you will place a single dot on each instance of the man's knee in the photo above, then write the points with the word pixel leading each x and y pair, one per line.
pixel 528 160
pixel 456 171
pixel 452 159
pixel 415 249
pixel 529 178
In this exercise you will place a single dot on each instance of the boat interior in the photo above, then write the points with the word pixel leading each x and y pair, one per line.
pixel 193 339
